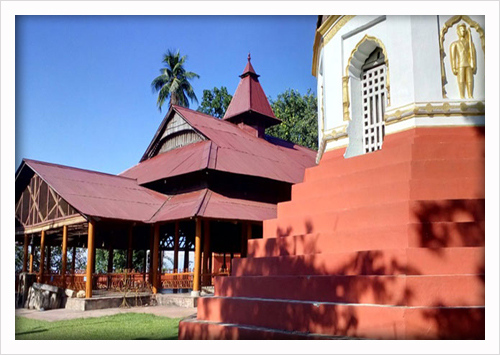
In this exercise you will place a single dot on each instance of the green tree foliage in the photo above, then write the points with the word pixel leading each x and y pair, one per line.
pixel 173 82
pixel 215 102
pixel 299 118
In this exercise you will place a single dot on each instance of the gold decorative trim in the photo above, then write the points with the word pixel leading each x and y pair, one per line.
pixel 345 97
pixel 433 109
pixel 331 135
pixel 447 25
pixel 325 33
pixel 345 79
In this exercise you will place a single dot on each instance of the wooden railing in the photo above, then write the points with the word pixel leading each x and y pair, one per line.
pixel 177 280
pixel 130 281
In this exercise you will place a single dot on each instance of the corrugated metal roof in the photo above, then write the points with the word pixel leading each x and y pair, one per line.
pixel 249 96
pixel 109 196
pixel 179 161
pixel 97 194
pixel 206 203
pixel 233 150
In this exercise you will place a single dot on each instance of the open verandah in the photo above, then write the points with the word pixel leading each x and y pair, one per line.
pixel 213 242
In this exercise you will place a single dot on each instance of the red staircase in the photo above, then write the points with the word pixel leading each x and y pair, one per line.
pixel 387 245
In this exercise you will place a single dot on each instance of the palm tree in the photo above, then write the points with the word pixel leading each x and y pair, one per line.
pixel 174 81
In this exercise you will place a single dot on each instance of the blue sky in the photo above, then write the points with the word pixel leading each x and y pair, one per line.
pixel 83 94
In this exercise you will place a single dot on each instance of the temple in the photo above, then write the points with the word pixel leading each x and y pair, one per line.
pixel 203 185
pixel 384 238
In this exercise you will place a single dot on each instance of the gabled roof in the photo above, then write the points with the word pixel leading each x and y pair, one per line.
pixel 97 194
pixel 102 195
pixel 228 149
pixel 250 99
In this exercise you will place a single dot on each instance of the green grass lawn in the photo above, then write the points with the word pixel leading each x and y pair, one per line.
pixel 131 326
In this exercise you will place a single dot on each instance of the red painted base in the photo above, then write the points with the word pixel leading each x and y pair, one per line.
pixel 387 245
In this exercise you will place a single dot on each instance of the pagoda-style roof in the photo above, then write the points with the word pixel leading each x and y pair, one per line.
pixel 221 146
pixel 95 194
pixel 249 103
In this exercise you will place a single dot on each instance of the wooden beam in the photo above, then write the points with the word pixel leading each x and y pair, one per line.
pixel 52 224
pixel 25 250
pixel 64 259
pixel 197 259
pixel 176 246
pixel 42 256
pixel 32 255
pixel 156 248
pixel 90 259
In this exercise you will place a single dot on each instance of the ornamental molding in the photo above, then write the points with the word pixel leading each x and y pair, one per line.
pixel 431 109
pixel 355 70
pixel 331 135
pixel 325 33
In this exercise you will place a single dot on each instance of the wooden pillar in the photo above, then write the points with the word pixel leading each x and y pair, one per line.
pixel 64 259
pixel 25 250
pixel 206 253
pixel 32 255
pixel 197 259
pixel 130 252
pixel 73 260
pixel 42 257
pixel 176 246
pixel 156 247
pixel 90 259
pixel 186 255
pixel 144 263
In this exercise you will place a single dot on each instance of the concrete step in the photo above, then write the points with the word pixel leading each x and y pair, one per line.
pixel 424 168
pixel 344 319
pixel 415 235
pixel 355 196
pixel 194 329
pixel 402 290
pixel 403 261
pixel 376 215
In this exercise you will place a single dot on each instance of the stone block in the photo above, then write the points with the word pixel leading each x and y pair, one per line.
pixel 70 293
pixel 80 294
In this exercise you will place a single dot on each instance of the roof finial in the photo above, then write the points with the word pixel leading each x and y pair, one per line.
pixel 249 56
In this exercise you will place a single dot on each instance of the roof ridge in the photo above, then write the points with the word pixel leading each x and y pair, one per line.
pixel 75 168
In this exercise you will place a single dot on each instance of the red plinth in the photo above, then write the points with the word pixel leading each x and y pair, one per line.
pixel 387 245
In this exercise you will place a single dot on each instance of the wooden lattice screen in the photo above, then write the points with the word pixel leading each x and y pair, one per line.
pixel 40 203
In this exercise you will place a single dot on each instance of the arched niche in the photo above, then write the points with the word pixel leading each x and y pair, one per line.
pixel 352 91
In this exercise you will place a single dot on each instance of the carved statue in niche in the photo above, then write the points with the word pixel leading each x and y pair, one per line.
pixel 463 60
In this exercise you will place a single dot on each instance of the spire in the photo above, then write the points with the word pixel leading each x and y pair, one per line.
pixel 249 69
pixel 249 104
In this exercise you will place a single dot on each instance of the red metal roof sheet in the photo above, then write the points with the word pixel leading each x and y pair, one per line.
pixel 175 162
pixel 206 203
pixel 232 150
pixel 109 196
pixel 249 96
pixel 100 195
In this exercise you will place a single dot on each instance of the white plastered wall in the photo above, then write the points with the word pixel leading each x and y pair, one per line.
pixel 413 51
